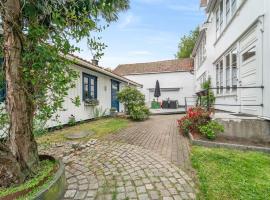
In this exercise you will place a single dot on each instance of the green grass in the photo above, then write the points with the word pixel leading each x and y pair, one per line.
pixel 231 174
pixel 100 127
pixel 43 170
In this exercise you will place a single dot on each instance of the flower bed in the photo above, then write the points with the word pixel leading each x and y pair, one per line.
pixel 198 121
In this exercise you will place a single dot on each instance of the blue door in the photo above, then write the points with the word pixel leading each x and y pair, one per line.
pixel 115 90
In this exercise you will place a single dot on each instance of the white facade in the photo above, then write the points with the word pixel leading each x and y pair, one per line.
pixel 233 50
pixel 174 85
pixel 104 96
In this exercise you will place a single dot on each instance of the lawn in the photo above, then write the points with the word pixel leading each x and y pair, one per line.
pixel 101 128
pixel 231 174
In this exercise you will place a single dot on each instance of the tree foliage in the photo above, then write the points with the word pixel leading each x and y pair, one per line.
pixel 187 43
pixel 39 33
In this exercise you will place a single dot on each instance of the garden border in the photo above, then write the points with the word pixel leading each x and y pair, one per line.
pixel 57 186
pixel 227 145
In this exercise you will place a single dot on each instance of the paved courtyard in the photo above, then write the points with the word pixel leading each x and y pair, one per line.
pixel 109 169
pixel 161 135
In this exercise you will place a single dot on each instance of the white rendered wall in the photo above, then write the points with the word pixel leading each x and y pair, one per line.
pixel 182 80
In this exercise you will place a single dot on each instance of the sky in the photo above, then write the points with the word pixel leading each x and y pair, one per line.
pixel 149 31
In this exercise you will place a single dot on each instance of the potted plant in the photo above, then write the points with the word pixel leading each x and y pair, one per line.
pixel 113 112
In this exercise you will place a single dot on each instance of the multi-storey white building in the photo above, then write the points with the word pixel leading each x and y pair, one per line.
pixel 233 50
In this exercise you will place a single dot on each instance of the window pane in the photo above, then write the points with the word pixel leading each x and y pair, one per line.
pixel 234 58
pixel 92 81
pixel 234 77
pixel 217 20
pixel 217 78
pixel 221 14
pixel 233 2
pixel 85 91
pixel 228 77
pixel 221 76
pixel 85 80
pixel 228 8
pixel 249 54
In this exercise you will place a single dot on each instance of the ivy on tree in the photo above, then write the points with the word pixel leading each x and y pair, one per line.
pixel 36 39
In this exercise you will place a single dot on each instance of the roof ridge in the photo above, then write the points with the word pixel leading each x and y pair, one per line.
pixel 180 59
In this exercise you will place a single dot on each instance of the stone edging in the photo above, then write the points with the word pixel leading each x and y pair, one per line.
pixel 227 145
pixel 57 187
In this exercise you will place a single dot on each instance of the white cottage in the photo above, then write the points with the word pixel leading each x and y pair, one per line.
pixel 94 82
pixel 175 78
pixel 233 50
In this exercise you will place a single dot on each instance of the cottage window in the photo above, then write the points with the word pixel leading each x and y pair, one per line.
pixel 89 86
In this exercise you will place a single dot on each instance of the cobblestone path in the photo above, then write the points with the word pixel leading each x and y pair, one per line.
pixel 111 170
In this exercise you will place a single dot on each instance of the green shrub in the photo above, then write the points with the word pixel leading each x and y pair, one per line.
pixel 211 129
pixel 139 113
pixel 134 102
pixel 131 97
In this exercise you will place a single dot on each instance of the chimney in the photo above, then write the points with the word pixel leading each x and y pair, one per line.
pixel 95 62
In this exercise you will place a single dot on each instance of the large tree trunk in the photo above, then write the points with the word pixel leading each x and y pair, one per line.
pixel 19 104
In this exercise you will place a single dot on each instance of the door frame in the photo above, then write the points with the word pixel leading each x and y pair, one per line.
pixel 118 88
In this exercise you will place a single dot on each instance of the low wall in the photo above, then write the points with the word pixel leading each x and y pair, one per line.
pixel 255 129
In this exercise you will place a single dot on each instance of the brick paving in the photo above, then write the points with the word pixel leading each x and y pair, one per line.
pixel 142 167
pixel 159 134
